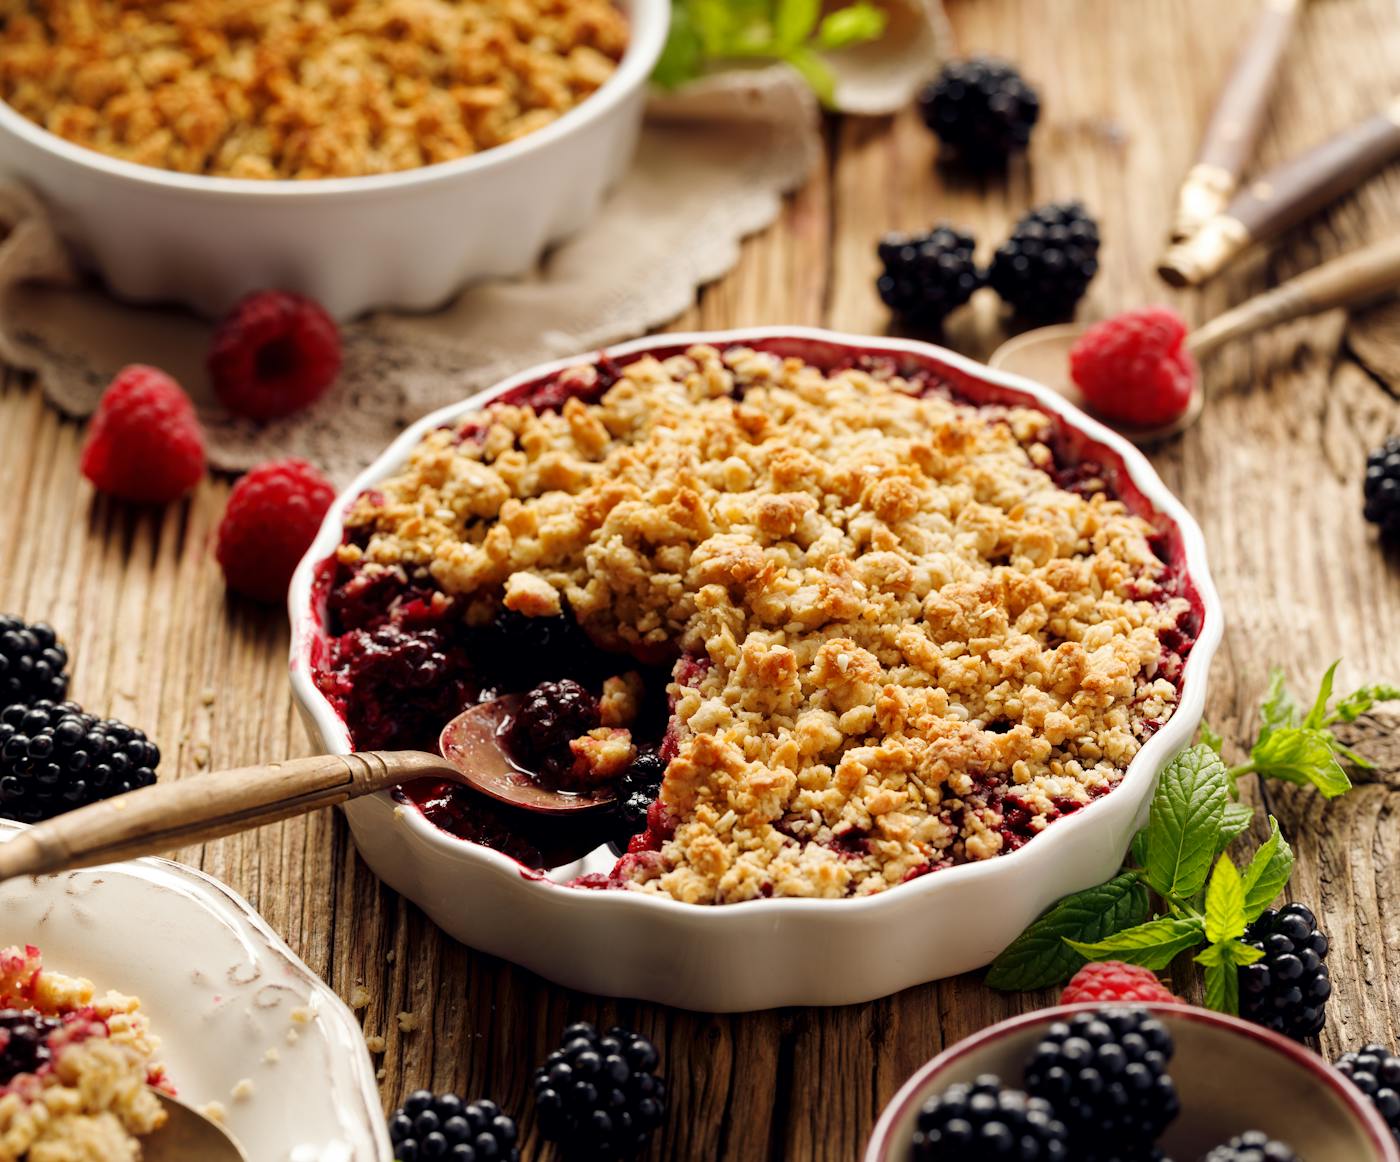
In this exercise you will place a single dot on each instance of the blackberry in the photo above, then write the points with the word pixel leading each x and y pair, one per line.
pixel 33 665
pixel 24 1042
pixel 927 275
pixel 1046 265
pixel 550 715
pixel 637 791
pixel 442 1125
pixel 982 108
pixel 1382 488
pixel 599 1096
pixel 54 756
pixel 1105 1073
pixel 1375 1071
pixel 1287 990
pixel 971 1123
pixel 523 651
pixel 1252 1146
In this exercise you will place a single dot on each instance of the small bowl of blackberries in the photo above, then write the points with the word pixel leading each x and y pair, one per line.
pixel 1141 1083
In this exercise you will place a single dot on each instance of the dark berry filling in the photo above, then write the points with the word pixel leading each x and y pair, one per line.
pixel 24 1042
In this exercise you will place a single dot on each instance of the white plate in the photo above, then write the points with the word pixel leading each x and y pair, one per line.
pixel 221 990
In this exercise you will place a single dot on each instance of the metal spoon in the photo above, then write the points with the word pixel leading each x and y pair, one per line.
pixel 187 1135
pixel 170 815
pixel 1358 277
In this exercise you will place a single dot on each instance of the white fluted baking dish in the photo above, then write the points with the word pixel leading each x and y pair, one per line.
pixel 769 952
pixel 407 240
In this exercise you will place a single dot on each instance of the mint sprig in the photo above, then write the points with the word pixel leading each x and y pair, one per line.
pixel 1206 903
pixel 709 32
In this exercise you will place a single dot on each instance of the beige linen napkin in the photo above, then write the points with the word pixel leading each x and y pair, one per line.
pixel 714 162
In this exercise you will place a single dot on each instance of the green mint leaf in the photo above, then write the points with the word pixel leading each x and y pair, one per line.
pixel 1300 755
pixel 1234 952
pixel 1277 709
pixel 1317 716
pixel 1225 902
pixel 1355 704
pixel 1183 824
pixel 716 21
pixel 1210 738
pixel 1233 823
pixel 852 25
pixel 794 22
pixel 1351 756
pixel 1039 957
pixel 816 73
pixel 682 58
pixel 1153 945
pixel 1267 873
pixel 1223 988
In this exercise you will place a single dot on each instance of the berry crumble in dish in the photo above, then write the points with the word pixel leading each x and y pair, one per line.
pixel 293 89
pixel 74 1067
pixel 823 628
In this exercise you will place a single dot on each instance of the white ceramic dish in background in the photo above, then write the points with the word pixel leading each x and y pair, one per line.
pixel 221 990
pixel 407 240
pixel 761 953
pixel 1232 1076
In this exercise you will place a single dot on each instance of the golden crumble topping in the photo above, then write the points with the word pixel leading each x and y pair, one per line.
pixel 899 636
pixel 302 88
pixel 89 1102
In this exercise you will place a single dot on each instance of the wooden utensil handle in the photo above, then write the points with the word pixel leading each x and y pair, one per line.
pixel 169 815
pixel 1239 113
pixel 1290 192
pixel 1353 278
pixel 1285 196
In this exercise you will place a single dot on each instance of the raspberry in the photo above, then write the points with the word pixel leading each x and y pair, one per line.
pixel 1135 368
pixel 144 442
pixel 273 354
pixel 272 517
pixel 1112 980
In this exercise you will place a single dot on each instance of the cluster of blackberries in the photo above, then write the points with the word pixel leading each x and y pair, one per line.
pixel 1375 1071
pixel 1096 1089
pixel 1382 489
pixel 1042 270
pixel 981 109
pixel 54 756
pixel 1286 990
pixel 637 791
pixel 597 1096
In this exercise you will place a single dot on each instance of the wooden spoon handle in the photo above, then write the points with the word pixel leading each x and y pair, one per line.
pixel 1239 113
pixel 1285 196
pixel 169 815
pixel 1353 278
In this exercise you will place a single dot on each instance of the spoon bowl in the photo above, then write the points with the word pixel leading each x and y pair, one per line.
pixel 188 1134
pixel 474 743
pixel 1042 355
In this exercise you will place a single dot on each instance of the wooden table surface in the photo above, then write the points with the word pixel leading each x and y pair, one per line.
pixel 1273 474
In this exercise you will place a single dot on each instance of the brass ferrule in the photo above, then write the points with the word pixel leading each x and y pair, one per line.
pixel 1205 193
pixel 1205 253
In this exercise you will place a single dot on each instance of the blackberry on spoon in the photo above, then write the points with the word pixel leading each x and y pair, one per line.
pixel 1252 1146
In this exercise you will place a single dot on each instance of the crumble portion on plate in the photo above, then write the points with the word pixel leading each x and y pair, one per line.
pixel 902 643
pixel 300 88
pixel 74 1068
